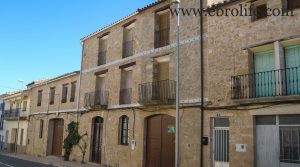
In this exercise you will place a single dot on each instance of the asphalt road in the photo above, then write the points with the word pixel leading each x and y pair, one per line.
pixel 6 161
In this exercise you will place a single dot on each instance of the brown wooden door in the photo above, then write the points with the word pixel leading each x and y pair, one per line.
pixel 58 130
pixel 160 147
pixel 97 129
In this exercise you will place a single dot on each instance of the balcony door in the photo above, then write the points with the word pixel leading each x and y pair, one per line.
pixel 264 74
pixel 292 56
pixel 100 90
pixel 126 86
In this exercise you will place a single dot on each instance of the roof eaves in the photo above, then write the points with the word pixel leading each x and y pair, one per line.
pixel 139 10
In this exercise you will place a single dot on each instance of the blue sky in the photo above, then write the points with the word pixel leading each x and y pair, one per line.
pixel 41 38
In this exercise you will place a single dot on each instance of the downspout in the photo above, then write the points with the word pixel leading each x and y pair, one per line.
pixel 79 83
pixel 202 82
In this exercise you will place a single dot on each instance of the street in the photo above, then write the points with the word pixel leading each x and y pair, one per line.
pixel 6 161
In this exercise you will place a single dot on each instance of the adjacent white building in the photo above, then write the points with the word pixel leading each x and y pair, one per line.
pixel 15 111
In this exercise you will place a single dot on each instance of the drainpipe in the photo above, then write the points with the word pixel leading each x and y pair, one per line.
pixel 79 83
pixel 202 82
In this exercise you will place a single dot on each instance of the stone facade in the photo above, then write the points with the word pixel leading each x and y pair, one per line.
pixel 230 43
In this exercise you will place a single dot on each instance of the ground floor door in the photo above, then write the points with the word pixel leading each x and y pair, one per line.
pixel 96 145
pixel 278 141
pixel 160 141
pixel 57 141
pixel 220 142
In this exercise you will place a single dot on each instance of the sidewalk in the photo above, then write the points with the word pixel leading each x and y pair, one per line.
pixel 50 160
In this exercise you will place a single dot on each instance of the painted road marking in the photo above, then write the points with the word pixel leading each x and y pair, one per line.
pixel 5 164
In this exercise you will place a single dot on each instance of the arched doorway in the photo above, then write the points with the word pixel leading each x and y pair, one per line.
pixel 96 137
pixel 160 141
pixel 55 136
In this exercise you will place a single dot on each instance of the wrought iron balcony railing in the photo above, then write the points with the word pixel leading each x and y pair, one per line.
pixel 128 48
pixel 125 96
pixel 162 38
pixel 11 114
pixel 96 100
pixel 101 58
pixel 163 92
pixel 283 82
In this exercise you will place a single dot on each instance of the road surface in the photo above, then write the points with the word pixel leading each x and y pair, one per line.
pixel 6 161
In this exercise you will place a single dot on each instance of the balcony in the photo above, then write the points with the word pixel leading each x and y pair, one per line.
pixel 13 114
pixel 101 58
pixel 125 96
pixel 160 92
pixel 96 100
pixel 127 49
pixel 283 82
pixel 162 38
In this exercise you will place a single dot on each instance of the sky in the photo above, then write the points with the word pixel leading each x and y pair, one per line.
pixel 41 38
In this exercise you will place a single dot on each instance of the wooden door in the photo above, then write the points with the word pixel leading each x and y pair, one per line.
pixel 97 128
pixel 58 130
pixel 160 141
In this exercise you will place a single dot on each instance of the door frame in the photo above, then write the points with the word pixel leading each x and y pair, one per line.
pixel 92 138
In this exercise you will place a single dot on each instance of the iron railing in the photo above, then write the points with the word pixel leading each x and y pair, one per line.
pixel 101 58
pixel 125 96
pixel 128 48
pixel 98 99
pixel 283 82
pixel 162 38
pixel 158 92
pixel 11 114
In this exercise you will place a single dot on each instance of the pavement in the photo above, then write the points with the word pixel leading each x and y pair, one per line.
pixel 24 160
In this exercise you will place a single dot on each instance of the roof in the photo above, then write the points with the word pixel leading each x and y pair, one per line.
pixel 139 10
pixel 221 4
pixel 41 82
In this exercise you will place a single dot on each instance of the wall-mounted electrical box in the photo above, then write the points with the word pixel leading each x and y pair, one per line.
pixel 133 144
pixel 240 148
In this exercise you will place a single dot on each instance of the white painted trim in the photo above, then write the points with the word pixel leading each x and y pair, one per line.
pixel 142 54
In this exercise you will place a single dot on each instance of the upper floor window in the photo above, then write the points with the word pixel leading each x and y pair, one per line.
pixel 123 134
pixel 2 106
pixel 292 4
pixel 40 96
pixel 126 85
pixel 64 93
pixel 259 11
pixel 73 91
pixel 162 28
pixel 102 48
pixel 128 41
pixel 24 106
pixel 52 95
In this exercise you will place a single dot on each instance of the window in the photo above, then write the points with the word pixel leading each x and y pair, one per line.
pixel 128 40
pixel 126 86
pixel 2 106
pixel 162 28
pixel 24 106
pixel 260 11
pixel 292 4
pixel 41 129
pixel 21 137
pixel 124 130
pixel 102 50
pixel 52 95
pixel 64 93
pixel 289 144
pixel 40 96
pixel 73 91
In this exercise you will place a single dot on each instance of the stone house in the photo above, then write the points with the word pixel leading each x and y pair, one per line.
pixel 52 101
pixel 126 90
pixel 252 73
